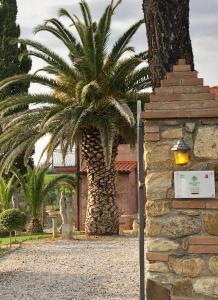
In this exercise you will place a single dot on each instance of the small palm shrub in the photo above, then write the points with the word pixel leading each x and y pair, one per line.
pixel 12 220
pixel 35 189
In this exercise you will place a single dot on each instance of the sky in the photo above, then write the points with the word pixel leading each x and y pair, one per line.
pixel 203 31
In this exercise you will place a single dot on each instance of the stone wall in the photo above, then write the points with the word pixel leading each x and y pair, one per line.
pixel 182 234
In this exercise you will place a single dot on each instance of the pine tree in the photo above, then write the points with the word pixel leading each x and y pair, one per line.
pixel 10 62
pixel 167 24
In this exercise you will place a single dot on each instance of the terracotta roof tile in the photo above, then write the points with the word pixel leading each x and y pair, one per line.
pixel 120 166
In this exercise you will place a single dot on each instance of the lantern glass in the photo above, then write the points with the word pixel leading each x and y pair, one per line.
pixel 181 157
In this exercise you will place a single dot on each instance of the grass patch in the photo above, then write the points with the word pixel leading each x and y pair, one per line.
pixel 25 237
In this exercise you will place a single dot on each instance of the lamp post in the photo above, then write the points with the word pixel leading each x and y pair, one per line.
pixel 181 152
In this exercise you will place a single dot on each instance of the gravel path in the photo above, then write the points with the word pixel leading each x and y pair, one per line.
pixel 76 270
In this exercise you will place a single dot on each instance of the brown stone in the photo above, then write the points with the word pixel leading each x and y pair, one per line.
pixel 182 288
pixel 191 267
pixel 213 265
pixel 151 129
pixel 211 223
pixel 178 114
pixel 157 185
pixel 159 155
pixel 160 244
pixel 190 127
pixel 172 133
pixel 153 227
pixel 207 286
pixel 152 137
pixel 159 267
pixel 180 226
pixel 157 208
pixel 155 291
pixel 206 145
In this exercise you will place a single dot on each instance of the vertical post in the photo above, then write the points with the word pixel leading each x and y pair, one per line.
pixel 141 202
pixel 54 227
pixel 77 152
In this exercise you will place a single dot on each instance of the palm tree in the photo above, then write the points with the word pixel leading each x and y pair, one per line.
pixel 6 192
pixel 35 188
pixel 93 102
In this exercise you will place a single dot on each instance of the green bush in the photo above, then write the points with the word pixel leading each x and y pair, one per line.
pixel 12 219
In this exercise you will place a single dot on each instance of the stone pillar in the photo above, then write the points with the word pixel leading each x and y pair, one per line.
pixel 182 234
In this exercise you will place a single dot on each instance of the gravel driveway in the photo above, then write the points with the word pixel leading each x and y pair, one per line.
pixel 106 268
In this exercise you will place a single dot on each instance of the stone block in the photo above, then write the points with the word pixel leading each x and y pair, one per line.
pixel 183 97
pixel 180 226
pixel 157 185
pixel 213 265
pixel 152 137
pixel 182 81
pixel 157 208
pixel 190 127
pixel 207 286
pixel 159 267
pixel 153 227
pixel 206 143
pixel 182 288
pixel 161 245
pixel 158 155
pixel 191 267
pixel 151 129
pixel 211 223
pixel 172 133
pixel 155 291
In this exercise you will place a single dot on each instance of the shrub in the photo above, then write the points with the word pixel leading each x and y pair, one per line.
pixel 12 220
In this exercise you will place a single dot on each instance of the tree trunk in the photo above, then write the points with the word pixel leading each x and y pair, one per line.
pixel 167 24
pixel 102 216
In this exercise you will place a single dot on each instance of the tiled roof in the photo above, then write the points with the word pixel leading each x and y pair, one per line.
pixel 125 166
pixel 120 166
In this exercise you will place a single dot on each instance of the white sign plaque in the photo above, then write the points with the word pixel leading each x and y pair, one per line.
pixel 194 184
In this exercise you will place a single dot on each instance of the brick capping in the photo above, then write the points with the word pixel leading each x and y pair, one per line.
pixel 181 95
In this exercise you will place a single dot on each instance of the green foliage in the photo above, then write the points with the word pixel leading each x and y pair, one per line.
pixel 10 62
pixel 93 88
pixel 36 188
pixel 13 219
pixel 6 192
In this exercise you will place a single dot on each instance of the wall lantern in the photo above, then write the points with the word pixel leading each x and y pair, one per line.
pixel 181 152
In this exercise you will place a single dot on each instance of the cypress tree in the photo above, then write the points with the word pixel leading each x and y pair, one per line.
pixel 10 63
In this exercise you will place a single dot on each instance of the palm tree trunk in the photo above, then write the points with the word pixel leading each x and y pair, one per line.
pixel 167 24
pixel 102 216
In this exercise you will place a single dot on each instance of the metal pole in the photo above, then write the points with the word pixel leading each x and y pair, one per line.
pixel 141 202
